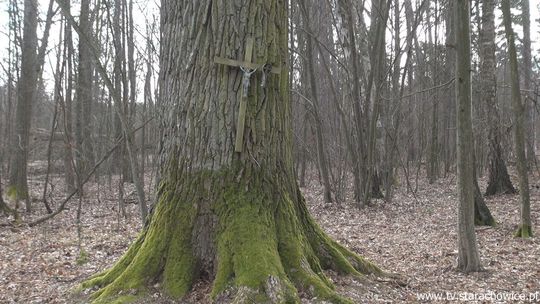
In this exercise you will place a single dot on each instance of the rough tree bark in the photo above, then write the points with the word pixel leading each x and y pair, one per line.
pixel 468 258
pixel 237 219
pixel 525 228
pixel 26 88
pixel 499 180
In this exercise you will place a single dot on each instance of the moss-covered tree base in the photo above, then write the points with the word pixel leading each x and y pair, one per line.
pixel 254 239
pixel 6 210
pixel 16 195
pixel 524 231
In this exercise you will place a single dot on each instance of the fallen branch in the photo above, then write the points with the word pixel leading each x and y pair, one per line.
pixel 66 200
pixel 62 206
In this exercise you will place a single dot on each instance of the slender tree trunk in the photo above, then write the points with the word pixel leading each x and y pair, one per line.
pixel 116 96
pixel 8 118
pixel 67 109
pixel 419 127
pixel 380 13
pixel 317 119
pixel 59 74
pixel 349 142
pixel 236 217
pixel 119 155
pixel 26 90
pixel 132 77
pixel 499 180
pixel 125 111
pixel 525 229
pixel 527 78
pixel 83 104
pixel 450 126
pixel 348 37
pixel 433 168
pixel 130 166
pixel 147 98
pixel 393 110
pixel 468 258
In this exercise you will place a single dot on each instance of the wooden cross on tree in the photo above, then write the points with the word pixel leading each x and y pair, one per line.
pixel 248 68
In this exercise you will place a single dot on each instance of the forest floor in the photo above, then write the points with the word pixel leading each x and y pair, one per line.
pixel 413 236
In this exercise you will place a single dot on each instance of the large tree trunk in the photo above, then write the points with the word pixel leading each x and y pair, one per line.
pixel 26 88
pixel 525 229
pixel 499 180
pixel 235 218
pixel 468 259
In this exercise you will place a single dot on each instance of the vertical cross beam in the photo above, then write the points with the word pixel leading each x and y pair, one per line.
pixel 243 103
pixel 248 68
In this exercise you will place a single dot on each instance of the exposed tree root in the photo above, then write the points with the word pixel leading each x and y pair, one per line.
pixel 266 249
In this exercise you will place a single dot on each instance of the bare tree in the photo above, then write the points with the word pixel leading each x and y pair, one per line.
pixel 26 89
pixel 67 104
pixel 315 107
pixel 83 103
pixel 468 258
pixel 379 14
pixel 499 180
pixel 527 78
pixel 525 229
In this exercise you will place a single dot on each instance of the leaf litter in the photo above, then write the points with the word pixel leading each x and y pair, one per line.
pixel 412 236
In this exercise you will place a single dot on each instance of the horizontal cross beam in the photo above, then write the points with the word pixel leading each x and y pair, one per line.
pixel 245 64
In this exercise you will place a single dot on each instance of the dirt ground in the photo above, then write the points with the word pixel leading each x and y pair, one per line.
pixel 413 236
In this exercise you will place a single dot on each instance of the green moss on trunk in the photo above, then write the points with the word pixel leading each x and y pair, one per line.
pixel 524 231
pixel 15 194
pixel 268 248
